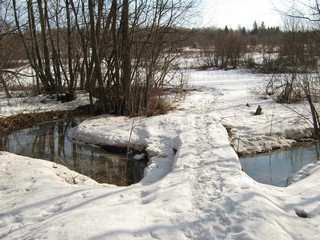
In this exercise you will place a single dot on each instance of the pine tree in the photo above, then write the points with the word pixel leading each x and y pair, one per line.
pixel 262 29
pixel 226 29
pixel 255 28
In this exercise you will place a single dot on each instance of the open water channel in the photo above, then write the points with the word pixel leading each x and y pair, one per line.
pixel 275 167
pixel 49 141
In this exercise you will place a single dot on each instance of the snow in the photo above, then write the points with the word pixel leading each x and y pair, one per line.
pixel 193 186
pixel 139 157
pixel 40 103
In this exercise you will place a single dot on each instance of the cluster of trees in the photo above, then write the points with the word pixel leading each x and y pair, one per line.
pixel 118 51
pixel 278 49
pixel 228 48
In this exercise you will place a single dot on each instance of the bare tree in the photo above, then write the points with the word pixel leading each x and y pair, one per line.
pixel 299 56
pixel 10 51
pixel 126 57
pixel 122 51
pixel 4 33
pixel 156 44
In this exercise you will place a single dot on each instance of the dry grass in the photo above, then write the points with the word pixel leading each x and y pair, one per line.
pixel 20 121
pixel 157 106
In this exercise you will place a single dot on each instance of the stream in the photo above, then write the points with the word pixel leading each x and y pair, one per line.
pixel 49 141
pixel 275 167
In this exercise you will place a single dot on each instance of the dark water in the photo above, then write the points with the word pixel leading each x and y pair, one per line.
pixel 49 141
pixel 275 168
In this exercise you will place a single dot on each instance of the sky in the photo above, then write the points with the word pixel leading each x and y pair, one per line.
pixel 239 12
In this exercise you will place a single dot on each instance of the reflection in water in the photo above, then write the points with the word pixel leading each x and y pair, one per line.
pixel 274 168
pixel 49 141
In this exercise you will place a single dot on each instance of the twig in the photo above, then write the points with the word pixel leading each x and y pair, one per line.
pixel 128 144
pixel 272 116
pixel 293 110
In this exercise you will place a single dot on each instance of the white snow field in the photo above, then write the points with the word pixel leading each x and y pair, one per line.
pixel 193 187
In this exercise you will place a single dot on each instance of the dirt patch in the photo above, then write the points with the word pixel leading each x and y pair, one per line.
pixel 20 121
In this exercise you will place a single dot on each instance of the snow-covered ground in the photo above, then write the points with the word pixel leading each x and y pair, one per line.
pixel 193 187
pixel 40 103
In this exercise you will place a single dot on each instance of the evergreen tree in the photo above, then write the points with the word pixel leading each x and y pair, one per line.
pixel 226 29
pixel 243 31
pixel 255 28
pixel 262 29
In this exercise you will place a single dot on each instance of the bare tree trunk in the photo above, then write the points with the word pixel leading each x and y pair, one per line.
pixel 117 99
pixel 94 35
pixel 55 48
pixel 43 15
pixel 4 84
pixel 126 58
pixel 38 66
pixel 313 110
pixel 315 117
pixel 72 80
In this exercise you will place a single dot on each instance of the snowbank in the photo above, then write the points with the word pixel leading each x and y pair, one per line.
pixel 234 96
pixel 40 103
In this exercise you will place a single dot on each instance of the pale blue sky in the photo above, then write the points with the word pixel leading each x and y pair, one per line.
pixel 239 12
